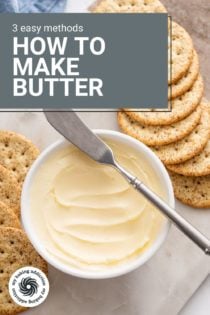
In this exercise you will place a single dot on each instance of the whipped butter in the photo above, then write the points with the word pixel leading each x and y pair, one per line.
pixel 86 213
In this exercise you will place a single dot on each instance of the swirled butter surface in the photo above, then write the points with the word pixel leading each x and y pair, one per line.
pixel 87 215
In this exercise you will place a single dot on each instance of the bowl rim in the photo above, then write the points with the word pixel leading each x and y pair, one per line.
pixel 119 269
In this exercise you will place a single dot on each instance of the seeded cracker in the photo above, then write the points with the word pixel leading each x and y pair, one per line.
pixel 181 108
pixel 159 135
pixel 189 146
pixel 199 165
pixel 186 82
pixel 9 190
pixel 15 252
pixel 193 191
pixel 7 217
pixel 182 53
pixel 17 153
pixel 123 6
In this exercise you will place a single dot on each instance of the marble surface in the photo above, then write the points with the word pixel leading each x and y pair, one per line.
pixel 164 284
pixel 199 303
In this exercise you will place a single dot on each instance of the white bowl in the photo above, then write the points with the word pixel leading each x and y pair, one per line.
pixel 164 180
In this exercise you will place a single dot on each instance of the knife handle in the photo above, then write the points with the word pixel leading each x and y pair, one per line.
pixel 188 229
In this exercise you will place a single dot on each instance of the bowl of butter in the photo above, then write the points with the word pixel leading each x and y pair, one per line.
pixel 84 218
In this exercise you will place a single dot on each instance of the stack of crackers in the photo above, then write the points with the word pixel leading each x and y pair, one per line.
pixel 180 138
pixel 16 156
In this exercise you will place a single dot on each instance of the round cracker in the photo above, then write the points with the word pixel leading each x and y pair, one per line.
pixel 193 191
pixel 190 145
pixel 159 135
pixel 7 217
pixel 124 6
pixel 15 252
pixel 182 106
pixel 180 58
pixel 199 165
pixel 9 190
pixel 186 82
pixel 17 153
